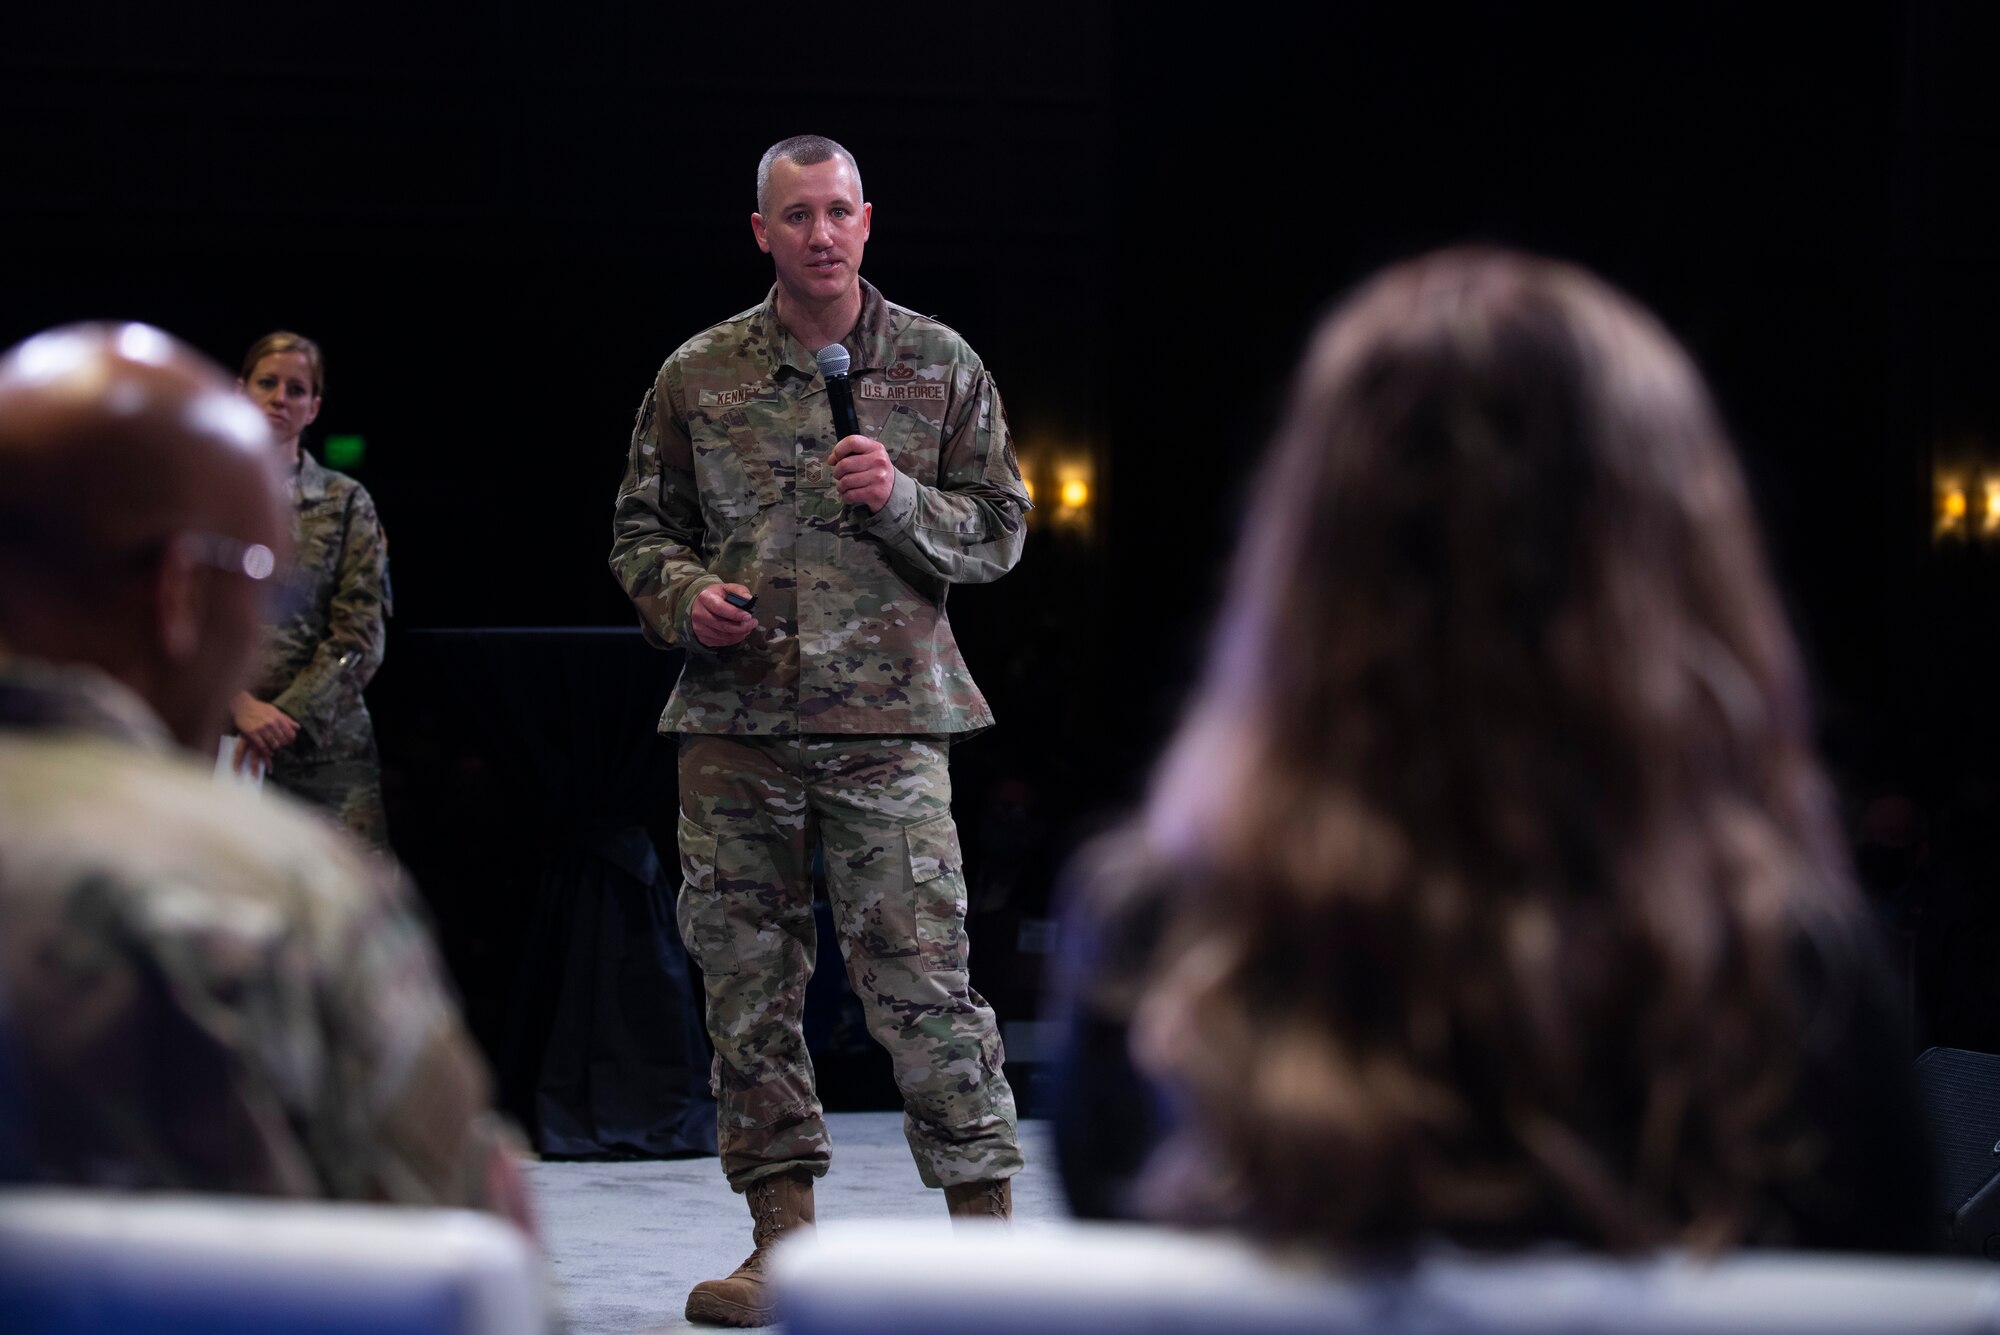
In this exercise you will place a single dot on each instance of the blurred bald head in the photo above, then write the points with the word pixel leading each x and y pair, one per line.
pixel 135 484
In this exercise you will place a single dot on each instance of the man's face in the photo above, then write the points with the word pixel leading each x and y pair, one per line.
pixel 815 230
pixel 246 507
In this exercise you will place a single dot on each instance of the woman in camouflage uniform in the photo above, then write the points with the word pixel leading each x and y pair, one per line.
pixel 305 719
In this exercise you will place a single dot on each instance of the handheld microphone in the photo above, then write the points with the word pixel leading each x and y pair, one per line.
pixel 833 363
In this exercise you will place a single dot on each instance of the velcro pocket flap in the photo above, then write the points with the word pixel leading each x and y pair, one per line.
pixel 697 847
pixel 933 848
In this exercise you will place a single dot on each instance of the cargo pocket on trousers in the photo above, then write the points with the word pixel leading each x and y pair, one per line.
pixel 699 911
pixel 938 881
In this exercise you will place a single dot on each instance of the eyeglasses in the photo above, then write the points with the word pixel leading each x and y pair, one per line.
pixel 252 560
pixel 283 597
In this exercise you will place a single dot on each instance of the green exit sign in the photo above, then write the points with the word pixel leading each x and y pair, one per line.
pixel 345 451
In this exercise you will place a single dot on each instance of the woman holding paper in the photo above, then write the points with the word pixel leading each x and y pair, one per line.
pixel 305 722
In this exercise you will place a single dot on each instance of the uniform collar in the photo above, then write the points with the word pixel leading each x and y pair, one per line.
pixel 39 696
pixel 871 344
pixel 312 478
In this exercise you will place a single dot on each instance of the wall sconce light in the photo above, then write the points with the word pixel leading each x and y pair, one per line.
pixel 1965 492
pixel 1950 508
pixel 1061 478
pixel 1075 494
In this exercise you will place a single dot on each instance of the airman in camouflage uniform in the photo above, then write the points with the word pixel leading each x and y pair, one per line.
pixel 829 720
pixel 212 991
pixel 328 649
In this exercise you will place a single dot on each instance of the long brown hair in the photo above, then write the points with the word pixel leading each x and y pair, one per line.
pixel 1495 820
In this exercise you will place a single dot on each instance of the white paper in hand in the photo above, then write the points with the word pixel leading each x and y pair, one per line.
pixel 251 776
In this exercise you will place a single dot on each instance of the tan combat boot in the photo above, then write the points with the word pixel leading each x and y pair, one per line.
pixel 779 1205
pixel 990 1199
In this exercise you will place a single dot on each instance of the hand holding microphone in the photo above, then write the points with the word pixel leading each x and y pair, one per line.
pixel 862 473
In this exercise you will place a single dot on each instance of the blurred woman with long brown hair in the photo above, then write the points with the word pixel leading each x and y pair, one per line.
pixel 1491 890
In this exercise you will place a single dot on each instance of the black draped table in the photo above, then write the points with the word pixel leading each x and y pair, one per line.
pixel 534 802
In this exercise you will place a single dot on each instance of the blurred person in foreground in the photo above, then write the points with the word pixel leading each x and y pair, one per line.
pixel 210 991
pixel 1491 891
pixel 304 719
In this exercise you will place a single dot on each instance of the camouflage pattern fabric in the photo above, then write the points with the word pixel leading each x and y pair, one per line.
pixel 348 787
pixel 212 991
pixel 728 482
pixel 325 653
pixel 752 809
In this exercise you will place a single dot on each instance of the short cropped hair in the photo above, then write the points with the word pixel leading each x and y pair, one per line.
pixel 806 150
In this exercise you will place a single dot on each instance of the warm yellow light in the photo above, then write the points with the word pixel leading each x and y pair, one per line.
pixel 1029 483
pixel 1065 486
pixel 1992 504
pixel 1952 505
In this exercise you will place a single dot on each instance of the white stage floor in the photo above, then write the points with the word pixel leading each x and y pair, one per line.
pixel 629 1239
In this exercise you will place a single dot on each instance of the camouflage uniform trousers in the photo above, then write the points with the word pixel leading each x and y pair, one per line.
pixel 752 808
pixel 343 779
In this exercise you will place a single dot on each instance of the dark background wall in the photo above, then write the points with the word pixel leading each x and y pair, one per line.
pixel 498 219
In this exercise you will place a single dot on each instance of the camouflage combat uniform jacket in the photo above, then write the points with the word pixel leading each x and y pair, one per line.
pixel 327 651
pixel 210 991
pixel 728 482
